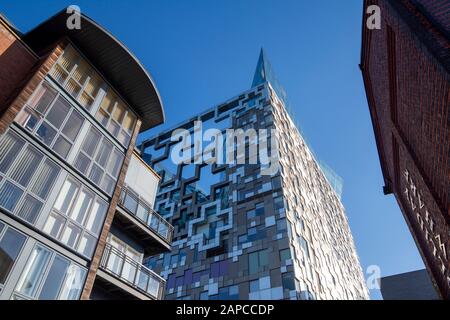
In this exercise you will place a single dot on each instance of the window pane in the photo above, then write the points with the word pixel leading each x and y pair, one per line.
pixel 46 133
pixel 93 85
pixel 33 272
pixel 26 166
pixel 62 146
pixel 128 124
pixel 43 97
pixel 104 153
pixel 81 72
pixel 95 220
pixel 66 196
pixel 82 163
pixel 10 246
pixel 96 174
pixel 30 209
pixel 81 206
pixel 73 125
pixel 54 225
pixel 87 245
pixel 108 184
pixel 253 262
pixel 114 163
pixel 58 113
pixel 119 112
pixel 91 141
pixel 45 179
pixel 70 235
pixel 113 128
pixel 10 147
pixel 74 283
pixel 68 59
pixel 9 196
pixel 54 279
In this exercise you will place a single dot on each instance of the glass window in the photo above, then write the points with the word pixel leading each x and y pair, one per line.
pixel 70 235
pixel 73 284
pixel 49 276
pixel 45 179
pixel 26 165
pixel 54 225
pixel 66 196
pixel 99 160
pixel 285 254
pixel 33 272
pixel 82 206
pixel 77 77
pixel 288 281
pixel 30 209
pixel 85 213
pixel 57 125
pixel 9 196
pixel 10 245
pixel 27 178
pixel 95 220
pixel 254 286
pixel 53 283
pixel 116 117
pixel 258 261
pixel 10 147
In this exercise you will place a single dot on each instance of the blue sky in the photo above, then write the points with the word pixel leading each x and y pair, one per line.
pixel 201 53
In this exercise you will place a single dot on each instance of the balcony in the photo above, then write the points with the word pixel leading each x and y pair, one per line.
pixel 135 215
pixel 129 276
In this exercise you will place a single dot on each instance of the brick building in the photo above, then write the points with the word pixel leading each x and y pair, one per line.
pixel 406 71
pixel 76 199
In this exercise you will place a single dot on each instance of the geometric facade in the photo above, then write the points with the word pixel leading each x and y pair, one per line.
pixel 243 234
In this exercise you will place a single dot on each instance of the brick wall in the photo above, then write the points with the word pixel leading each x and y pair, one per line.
pixel 16 62
pixel 408 89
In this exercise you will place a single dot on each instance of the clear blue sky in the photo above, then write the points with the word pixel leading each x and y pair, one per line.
pixel 201 53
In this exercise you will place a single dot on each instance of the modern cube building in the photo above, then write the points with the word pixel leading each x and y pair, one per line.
pixel 406 71
pixel 76 199
pixel 244 232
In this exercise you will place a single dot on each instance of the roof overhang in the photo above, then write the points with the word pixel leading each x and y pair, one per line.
pixel 112 59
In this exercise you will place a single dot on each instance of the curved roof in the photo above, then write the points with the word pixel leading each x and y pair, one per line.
pixel 114 61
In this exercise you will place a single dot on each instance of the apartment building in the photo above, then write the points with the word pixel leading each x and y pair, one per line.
pixel 76 199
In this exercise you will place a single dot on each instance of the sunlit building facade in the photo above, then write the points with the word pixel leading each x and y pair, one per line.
pixel 242 234
pixel 76 199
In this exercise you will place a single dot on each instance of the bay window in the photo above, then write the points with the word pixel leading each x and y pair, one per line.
pixel 77 217
pixel 26 177
pixel 49 276
pixel 116 117
pixel 52 119
pixel 86 86
pixel 99 160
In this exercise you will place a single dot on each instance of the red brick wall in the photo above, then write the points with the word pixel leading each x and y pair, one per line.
pixel 408 91
pixel 16 62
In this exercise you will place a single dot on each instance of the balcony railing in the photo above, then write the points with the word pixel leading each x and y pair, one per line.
pixel 139 208
pixel 133 273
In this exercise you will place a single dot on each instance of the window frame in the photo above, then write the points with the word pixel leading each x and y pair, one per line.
pixel 27 190
pixel 68 220
pixel 28 111
pixel 45 273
